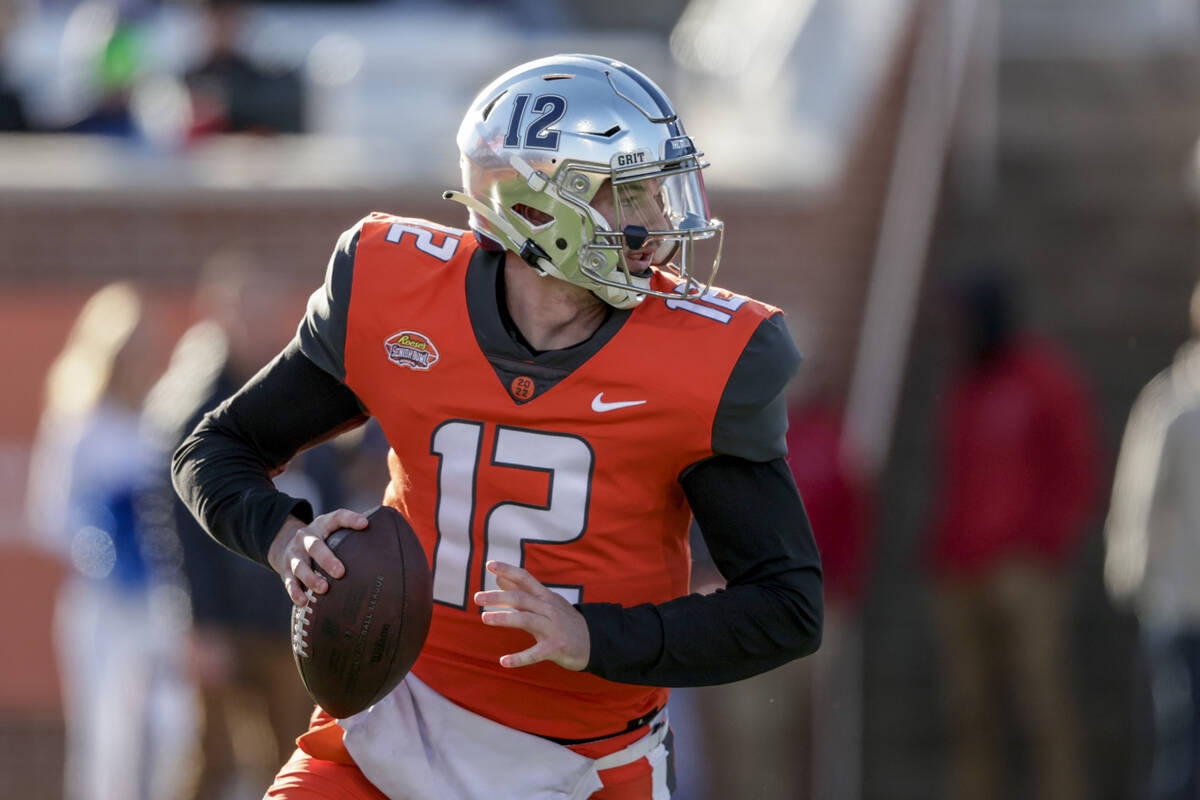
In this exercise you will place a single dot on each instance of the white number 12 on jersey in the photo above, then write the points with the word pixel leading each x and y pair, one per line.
pixel 508 525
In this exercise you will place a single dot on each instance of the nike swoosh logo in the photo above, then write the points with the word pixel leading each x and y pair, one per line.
pixel 599 406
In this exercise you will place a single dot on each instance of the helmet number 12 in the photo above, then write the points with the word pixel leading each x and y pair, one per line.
pixel 538 134
pixel 567 461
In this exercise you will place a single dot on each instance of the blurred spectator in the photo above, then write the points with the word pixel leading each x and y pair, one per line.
pixel 1153 558
pixel 125 708
pixel 12 107
pixel 357 466
pixel 1018 467
pixel 114 70
pixel 231 93
pixel 836 497
pixel 253 702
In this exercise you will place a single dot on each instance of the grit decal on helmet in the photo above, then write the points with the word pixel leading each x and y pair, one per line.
pixel 411 349
pixel 580 165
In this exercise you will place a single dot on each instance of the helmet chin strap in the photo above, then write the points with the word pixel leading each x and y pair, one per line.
pixel 512 239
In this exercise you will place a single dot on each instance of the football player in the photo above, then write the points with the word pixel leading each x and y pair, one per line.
pixel 562 389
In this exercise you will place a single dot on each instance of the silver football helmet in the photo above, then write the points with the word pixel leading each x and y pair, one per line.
pixel 579 164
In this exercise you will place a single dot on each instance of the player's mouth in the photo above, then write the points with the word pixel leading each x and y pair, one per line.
pixel 639 261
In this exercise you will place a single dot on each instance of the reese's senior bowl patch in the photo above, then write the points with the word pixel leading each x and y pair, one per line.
pixel 411 349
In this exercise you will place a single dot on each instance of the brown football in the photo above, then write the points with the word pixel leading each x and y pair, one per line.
pixel 354 643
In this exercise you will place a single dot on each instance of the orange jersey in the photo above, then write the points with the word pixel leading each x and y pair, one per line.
pixel 568 465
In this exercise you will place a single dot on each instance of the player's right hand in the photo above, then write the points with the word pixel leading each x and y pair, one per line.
pixel 296 546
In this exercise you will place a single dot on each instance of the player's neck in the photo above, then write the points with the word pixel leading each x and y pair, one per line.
pixel 551 314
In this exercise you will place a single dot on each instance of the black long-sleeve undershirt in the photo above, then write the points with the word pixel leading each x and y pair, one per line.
pixel 223 470
pixel 770 612
pixel 750 513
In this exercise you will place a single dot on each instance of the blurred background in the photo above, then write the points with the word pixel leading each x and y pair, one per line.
pixel 980 217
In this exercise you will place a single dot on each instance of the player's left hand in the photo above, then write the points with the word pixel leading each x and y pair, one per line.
pixel 560 630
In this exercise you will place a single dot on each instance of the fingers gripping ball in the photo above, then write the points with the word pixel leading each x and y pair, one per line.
pixel 356 642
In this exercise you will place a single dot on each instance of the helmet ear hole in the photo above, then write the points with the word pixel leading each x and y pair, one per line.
pixel 534 216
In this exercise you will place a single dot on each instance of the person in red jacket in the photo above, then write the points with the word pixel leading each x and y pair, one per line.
pixel 838 496
pixel 1018 468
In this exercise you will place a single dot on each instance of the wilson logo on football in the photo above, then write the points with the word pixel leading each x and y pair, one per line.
pixel 411 349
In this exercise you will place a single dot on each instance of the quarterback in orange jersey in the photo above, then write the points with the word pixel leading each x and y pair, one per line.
pixel 562 390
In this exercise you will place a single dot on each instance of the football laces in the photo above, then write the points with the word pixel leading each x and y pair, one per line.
pixel 301 617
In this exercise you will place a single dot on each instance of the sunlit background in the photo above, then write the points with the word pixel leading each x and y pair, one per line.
pixel 866 155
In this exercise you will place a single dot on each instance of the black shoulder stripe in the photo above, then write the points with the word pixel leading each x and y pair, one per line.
pixel 751 419
pixel 322 333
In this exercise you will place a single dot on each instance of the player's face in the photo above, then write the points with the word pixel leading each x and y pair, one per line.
pixel 641 205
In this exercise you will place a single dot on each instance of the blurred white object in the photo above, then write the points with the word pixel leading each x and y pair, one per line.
pixel 747 38
pixel 163 111
pixel 779 88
